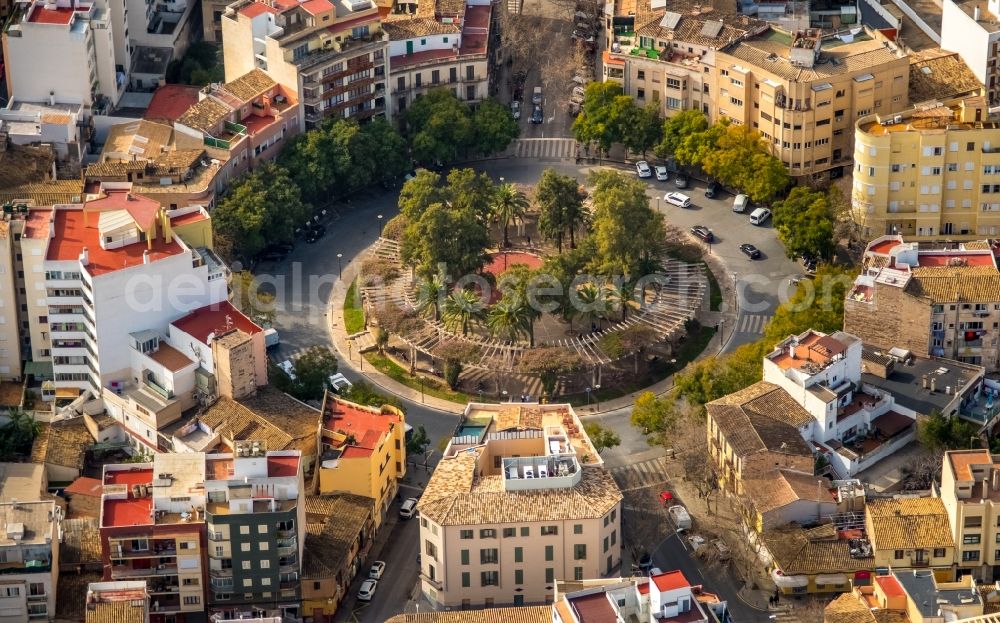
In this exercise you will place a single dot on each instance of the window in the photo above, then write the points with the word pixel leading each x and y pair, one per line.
pixel 246 565
pixel 435 76
pixel 673 103
pixel 579 552
pixel 244 529
pixel 518 554
pixel 244 547
pixel 898 554
pixel 549 553
pixel 487 533
pixel 525 531
pixel 488 557
pixel 509 532
pixel 970 146
pixel 550 530
pixel 970 556
pixel 466 580
pixel 465 556
pixel 470 72
pixel 489 578
pixel 605 544
pixel 465 534
pixel 550 575
pixel 140 545
pixel 518 576
pixel 974 522
pixel 578 573
pixel 640 94
pixel 939 552
pixel 430 549
pixel 265 564
pixel 640 75
pixel 673 83
pixel 192 600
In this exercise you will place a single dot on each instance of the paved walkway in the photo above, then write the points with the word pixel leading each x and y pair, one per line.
pixel 348 348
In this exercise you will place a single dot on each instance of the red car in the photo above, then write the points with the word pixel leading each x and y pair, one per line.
pixel 666 497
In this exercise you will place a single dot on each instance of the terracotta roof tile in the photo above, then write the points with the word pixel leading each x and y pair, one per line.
pixel 761 417
pixel 940 77
pixel 81 542
pixel 847 608
pixel 205 115
pixel 62 443
pixel 781 487
pixel 400 28
pixel 908 523
pixel 329 542
pixel 144 139
pixel 523 614
pixel 819 550
pixel 249 85
pixel 271 416
pixel 955 283
pixel 116 612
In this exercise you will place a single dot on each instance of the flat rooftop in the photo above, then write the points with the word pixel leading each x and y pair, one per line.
pixel 215 319
pixel 906 382
pixel 987 21
pixel 59 15
pixel 928 597
pixel 367 425
pixel 814 349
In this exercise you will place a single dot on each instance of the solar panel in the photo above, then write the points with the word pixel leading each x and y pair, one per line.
pixel 670 20
pixel 712 28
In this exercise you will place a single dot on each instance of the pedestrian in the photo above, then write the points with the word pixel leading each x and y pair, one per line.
pixel 529 241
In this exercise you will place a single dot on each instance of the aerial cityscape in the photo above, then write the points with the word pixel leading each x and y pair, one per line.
pixel 422 311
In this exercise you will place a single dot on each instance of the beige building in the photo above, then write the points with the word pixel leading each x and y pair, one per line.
pixel 911 533
pixel 444 44
pixel 970 491
pixel 929 173
pixel 519 500
pixel 803 92
pixel 331 54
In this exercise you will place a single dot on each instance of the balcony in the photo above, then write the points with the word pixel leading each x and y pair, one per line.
pixel 347 71
pixel 119 572
pixel 432 581
pixel 150 382
pixel 232 133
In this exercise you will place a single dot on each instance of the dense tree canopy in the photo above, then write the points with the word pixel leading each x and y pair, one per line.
pixel 442 128
pixel 805 223
pixel 741 160
pixel 629 236
pixel 604 115
pixel 560 205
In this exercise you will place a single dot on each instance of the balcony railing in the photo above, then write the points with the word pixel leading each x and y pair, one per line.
pixel 128 572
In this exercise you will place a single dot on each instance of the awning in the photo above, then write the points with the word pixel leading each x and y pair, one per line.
pixel 831 578
pixel 39 369
pixel 68 392
pixel 789 581
pixel 891 423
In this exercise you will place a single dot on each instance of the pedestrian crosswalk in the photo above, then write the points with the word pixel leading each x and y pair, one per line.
pixel 546 148
pixel 641 475
pixel 753 323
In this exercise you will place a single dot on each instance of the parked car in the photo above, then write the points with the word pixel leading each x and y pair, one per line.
pixel 288 368
pixel 536 115
pixel 696 541
pixel 408 509
pixel 515 109
pixel 662 174
pixel 723 549
pixel 713 189
pixel 642 168
pixel 378 568
pixel 339 382
pixel 740 203
pixel 367 590
pixel 759 216
pixel 681 180
pixel 315 233
pixel 702 232
pixel 750 251
pixel 536 96
pixel 678 199
pixel 645 561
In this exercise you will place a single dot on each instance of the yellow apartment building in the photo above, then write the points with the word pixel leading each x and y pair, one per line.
pixel 803 92
pixel 362 451
pixel 970 491
pixel 911 533
pixel 929 173
pixel 519 500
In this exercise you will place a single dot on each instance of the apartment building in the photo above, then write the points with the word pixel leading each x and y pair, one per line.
pixel 249 118
pixel 29 547
pixel 668 57
pixel 363 451
pixel 213 533
pixel 931 300
pixel 927 173
pixel 211 19
pixel 664 597
pixel 443 44
pixel 911 533
pixel 66 127
pixel 803 91
pixel 971 29
pixel 970 491
pixel 519 500
pixel 121 602
pixel 63 51
pixel 331 55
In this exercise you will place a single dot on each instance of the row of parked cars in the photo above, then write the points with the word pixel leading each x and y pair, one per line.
pixel 407 510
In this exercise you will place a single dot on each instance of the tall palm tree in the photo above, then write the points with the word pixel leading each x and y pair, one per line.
pixel 429 295
pixel 461 310
pixel 596 301
pixel 509 204
pixel 509 319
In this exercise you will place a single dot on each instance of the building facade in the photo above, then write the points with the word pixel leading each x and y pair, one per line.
pixel 30 551
pixel 332 56
pixel 970 28
pixel 970 491
pixel 519 500
pixel 911 533
pixel 664 597
pixel 928 173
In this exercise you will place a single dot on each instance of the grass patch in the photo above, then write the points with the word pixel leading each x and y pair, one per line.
pixel 354 315
pixel 714 291
pixel 431 386
pixel 656 372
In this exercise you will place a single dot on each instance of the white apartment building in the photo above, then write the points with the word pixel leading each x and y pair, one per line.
pixel 664 597
pixel 972 29
pixel 29 546
pixel 64 51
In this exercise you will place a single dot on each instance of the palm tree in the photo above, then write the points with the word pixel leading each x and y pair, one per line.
pixel 509 319
pixel 18 434
pixel 509 204
pixel 596 301
pixel 461 310
pixel 429 295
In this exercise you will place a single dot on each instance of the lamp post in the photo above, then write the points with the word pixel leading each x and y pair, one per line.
pixel 379 225
pixel 340 267
pixel 597 394
pixel 588 396
pixel 421 389
pixel 501 180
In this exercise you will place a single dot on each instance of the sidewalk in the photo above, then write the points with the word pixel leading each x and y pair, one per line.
pixel 348 356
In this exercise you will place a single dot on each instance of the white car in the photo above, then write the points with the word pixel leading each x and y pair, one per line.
pixel 678 199
pixel 515 109
pixel 662 174
pixel 367 590
pixel 288 368
pixel 408 509
pixel 642 168
pixel 338 382
pixel 378 568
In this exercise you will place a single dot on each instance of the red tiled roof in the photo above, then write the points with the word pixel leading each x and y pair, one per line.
pixel 60 15
pixel 171 101
pixel 643 588
pixel 215 318
pixel 670 581
pixel 187 219
pixel 135 512
pixel 256 123
pixel 890 586
pixel 351 23
pixel 71 236
pixel 594 608
pixel 257 8
pixel 36 225
pixel 85 486
pixel 282 466
pixel 366 427
pixel 609 60
pixel 314 7
pixel 884 247
pixel 354 452
pixel 129 477
pixel 143 210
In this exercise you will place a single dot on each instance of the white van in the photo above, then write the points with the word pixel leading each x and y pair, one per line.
pixel 759 216
pixel 740 203
pixel 678 199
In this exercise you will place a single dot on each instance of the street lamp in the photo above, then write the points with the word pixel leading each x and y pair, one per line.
pixel 588 396
pixel 421 389
pixel 340 267
pixel 379 225
pixel 504 394
pixel 722 334
pixel 597 394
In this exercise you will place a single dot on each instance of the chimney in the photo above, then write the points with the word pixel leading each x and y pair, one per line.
pixel 947 390
pixel 52 228
pixel 145 256
pixel 933 384
pixel 85 257
pixel 975 13
pixel 791 350
pixel 924 379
